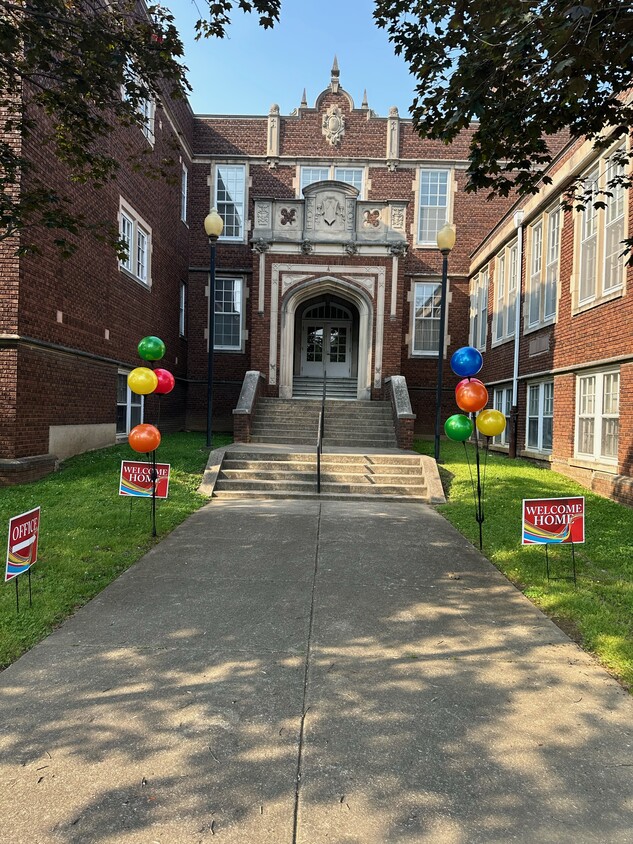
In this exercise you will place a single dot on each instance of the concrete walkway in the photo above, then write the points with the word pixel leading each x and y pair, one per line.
pixel 296 672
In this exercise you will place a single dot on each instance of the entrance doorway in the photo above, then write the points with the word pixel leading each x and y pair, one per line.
pixel 326 341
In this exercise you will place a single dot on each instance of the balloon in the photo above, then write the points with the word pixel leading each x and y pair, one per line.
pixel 466 361
pixel 142 381
pixel 472 396
pixel 144 438
pixel 491 422
pixel 469 381
pixel 458 428
pixel 166 382
pixel 151 348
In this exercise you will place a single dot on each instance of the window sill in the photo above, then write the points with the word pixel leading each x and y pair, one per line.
pixel 502 342
pixel 147 285
pixel 594 465
pixel 530 329
pixel 424 355
pixel 581 308
pixel 535 454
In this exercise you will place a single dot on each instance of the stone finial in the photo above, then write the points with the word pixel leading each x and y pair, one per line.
pixel 393 111
pixel 364 103
pixel 274 109
pixel 334 82
pixel 304 100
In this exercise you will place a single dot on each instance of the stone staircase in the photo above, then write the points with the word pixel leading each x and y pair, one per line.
pixel 358 424
pixel 260 473
pixel 344 389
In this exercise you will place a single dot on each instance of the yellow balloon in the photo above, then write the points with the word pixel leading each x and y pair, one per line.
pixel 491 423
pixel 142 381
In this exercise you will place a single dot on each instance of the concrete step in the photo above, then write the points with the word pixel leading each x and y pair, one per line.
pixel 358 477
pixel 265 467
pixel 237 495
pixel 326 458
pixel 291 487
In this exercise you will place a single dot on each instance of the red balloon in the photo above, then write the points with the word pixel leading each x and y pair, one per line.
pixel 471 396
pixel 144 438
pixel 166 382
pixel 461 383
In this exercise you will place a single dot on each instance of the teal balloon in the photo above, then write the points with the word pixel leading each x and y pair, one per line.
pixel 458 427
pixel 151 348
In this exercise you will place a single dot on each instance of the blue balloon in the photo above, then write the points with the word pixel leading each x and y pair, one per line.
pixel 466 362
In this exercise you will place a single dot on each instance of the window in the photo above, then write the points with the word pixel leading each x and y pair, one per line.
pixel 426 318
pixel 228 314
pixel 145 107
pixel 479 309
pixel 354 176
pixel 598 416
pixel 184 193
pixel 136 235
pixel 502 401
pixel 500 299
pixel 544 268
pixel 433 204
pixel 230 183
pixel 600 232
pixel 182 310
pixel 540 415
pixel 129 407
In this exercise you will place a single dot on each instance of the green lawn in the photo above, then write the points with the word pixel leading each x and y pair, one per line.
pixel 88 533
pixel 598 613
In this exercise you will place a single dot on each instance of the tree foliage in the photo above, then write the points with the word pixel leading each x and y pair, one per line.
pixel 524 69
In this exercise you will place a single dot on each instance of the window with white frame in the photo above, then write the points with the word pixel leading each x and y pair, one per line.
pixel 600 232
pixel 544 260
pixel 129 407
pixel 426 317
pixel 137 237
pixel 182 310
pixel 502 401
pixel 598 416
pixel 540 416
pixel 354 176
pixel 145 107
pixel 228 314
pixel 500 312
pixel 433 204
pixel 230 199
pixel 184 192
pixel 479 309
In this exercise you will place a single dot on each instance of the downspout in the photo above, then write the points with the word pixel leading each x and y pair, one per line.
pixel 514 410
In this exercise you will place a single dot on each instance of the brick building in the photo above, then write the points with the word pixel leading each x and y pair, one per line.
pixel 552 313
pixel 328 254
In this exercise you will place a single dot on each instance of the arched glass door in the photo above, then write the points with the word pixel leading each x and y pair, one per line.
pixel 326 341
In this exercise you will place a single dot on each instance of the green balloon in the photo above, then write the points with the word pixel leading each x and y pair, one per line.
pixel 458 428
pixel 151 348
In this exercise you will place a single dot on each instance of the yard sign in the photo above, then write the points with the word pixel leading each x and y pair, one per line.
pixel 22 543
pixel 553 520
pixel 136 479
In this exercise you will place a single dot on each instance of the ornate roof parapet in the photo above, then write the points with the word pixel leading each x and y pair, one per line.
pixel 272 139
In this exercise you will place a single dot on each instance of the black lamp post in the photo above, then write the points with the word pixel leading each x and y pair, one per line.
pixel 213 226
pixel 445 243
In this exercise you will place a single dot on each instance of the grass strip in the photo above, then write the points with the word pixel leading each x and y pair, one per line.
pixel 89 534
pixel 598 613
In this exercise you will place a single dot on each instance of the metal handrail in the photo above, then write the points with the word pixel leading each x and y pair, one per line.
pixel 321 432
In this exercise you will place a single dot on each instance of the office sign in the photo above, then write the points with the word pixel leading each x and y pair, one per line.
pixel 22 543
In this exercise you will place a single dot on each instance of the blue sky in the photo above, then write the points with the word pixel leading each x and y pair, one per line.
pixel 253 67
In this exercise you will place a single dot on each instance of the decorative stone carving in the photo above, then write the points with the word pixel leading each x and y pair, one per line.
pixel 329 212
pixel 333 125
pixel 263 216
pixel 371 218
pixel 288 216
pixel 306 246
pixel 351 247
pixel 399 249
pixel 260 245
pixel 397 218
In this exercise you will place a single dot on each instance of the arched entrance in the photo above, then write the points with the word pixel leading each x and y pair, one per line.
pixel 326 323
pixel 327 339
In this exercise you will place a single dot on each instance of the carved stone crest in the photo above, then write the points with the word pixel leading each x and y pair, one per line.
pixel 333 125
pixel 330 211
pixel 351 247
pixel 306 247
pixel 260 245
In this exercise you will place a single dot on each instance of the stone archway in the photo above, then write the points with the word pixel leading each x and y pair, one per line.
pixel 301 293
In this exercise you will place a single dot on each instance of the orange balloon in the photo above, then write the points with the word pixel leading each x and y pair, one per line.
pixel 144 438
pixel 472 396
